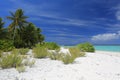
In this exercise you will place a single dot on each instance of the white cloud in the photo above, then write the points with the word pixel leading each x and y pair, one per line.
pixel 117 9
pixel 45 10
pixel 106 36
pixel 118 15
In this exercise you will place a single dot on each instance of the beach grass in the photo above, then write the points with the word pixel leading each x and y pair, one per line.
pixel 10 60
pixel 75 52
pixel 67 59
pixel 40 52
pixel 23 51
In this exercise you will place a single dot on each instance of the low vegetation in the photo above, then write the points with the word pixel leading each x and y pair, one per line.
pixel 55 56
pixel 23 51
pixel 75 52
pixel 16 60
pixel 15 51
pixel 49 45
pixel 40 52
pixel 10 60
pixel 6 45
pixel 31 63
pixel 28 62
pixel 87 47
pixel 21 69
pixel 1 52
pixel 67 59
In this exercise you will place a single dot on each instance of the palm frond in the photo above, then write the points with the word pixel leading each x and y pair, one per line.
pixel 10 18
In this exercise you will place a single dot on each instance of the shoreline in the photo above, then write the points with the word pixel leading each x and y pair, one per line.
pixel 108 53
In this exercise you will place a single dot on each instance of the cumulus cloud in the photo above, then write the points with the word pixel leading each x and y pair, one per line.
pixel 106 36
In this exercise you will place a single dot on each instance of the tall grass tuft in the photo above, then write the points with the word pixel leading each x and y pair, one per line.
pixel 40 52
pixel 15 51
pixel 20 69
pixel 31 63
pixel 75 52
pixel 67 59
pixel 10 60
pixel 49 45
pixel 55 56
pixel 23 51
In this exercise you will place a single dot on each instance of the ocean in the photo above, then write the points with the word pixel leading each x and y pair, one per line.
pixel 111 48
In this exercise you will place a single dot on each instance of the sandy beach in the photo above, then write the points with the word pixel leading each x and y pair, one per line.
pixel 100 65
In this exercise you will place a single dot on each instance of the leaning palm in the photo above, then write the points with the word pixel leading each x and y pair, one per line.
pixel 18 21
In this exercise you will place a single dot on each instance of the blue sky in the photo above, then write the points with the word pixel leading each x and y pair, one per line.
pixel 69 22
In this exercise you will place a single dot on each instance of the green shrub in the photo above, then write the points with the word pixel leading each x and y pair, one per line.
pixel 6 45
pixel 67 59
pixel 23 51
pixel 40 52
pixel 49 45
pixel 10 60
pixel 1 53
pixel 20 69
pixel 87 47
pixel 75 52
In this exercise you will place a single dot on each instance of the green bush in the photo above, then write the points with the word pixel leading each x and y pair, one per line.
pixel 10 60
pixel 87 47
pixel 6 45
pixel 67 59
pixel 75 52
pixel 49 45
pixel 40 52
pixel 23 51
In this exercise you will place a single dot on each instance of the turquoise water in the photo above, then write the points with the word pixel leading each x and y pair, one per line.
pixel 108 48
pixel 111 48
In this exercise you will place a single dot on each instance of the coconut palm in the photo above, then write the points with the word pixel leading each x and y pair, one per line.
pixel 1 29
pixel 18 21
pixel 1 24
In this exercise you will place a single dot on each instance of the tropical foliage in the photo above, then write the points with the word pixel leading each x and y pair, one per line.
pixel 21 32
pixel 3 31
pixel 18 21
pixel 6 45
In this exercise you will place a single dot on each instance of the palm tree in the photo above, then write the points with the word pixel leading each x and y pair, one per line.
pixel 18 21
pixel 1 28
pixel 1 24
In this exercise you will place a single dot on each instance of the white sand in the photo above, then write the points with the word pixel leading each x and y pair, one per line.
pixel 95 66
